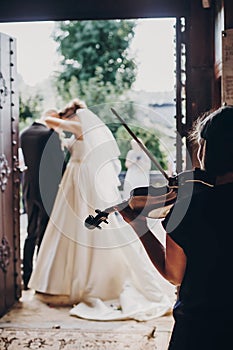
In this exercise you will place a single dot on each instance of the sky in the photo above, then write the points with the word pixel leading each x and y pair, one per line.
pixel 153 46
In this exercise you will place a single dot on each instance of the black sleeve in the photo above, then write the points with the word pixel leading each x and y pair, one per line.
pixel 179 222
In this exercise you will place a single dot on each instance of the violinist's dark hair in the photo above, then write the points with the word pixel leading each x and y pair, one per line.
pixel 71 108
pixel 215 128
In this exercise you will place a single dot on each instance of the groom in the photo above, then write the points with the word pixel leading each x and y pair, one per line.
pixel 44 159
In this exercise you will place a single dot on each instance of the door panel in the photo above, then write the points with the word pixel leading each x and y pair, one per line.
pixel 10 278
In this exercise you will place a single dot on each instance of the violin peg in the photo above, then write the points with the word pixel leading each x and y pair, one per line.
pixel 106 222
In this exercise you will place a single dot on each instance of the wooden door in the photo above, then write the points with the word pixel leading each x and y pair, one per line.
pixel 10 275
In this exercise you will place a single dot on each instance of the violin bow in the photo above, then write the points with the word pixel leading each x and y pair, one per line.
pixel 153 159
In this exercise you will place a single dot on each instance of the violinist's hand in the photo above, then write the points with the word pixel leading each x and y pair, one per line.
pixel 135 219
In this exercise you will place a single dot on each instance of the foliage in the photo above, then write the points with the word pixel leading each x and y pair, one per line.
pixel 150 139
pixel 95 59
pixel 29 109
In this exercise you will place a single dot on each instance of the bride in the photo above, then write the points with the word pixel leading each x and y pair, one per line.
pixel 105 274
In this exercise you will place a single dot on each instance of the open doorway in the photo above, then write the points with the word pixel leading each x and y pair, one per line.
pixel 148 103
pixel 151 105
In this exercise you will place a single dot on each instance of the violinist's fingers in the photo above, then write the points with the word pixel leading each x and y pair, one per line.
pixel 127 214
pixel 137 221
pixel 130 215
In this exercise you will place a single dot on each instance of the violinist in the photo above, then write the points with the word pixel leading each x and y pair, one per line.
pixel 197 256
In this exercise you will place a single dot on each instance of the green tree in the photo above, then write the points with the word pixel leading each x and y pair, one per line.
pixel 95 57
pixel 97 67
pixel 29 109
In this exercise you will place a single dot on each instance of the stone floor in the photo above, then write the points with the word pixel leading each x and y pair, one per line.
pixel 32 324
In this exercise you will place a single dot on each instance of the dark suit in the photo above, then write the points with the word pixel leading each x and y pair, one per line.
pixel 45 161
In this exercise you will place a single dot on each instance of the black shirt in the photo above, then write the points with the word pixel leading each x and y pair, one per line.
pixel 45 160
pixel 202 225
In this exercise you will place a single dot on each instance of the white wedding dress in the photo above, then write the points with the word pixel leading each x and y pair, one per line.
pixel 138 169
pixel 105 273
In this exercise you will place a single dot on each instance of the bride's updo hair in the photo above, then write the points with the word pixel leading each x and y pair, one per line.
pixel 71 108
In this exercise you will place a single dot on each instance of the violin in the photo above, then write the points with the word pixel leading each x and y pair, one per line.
pixel 154 202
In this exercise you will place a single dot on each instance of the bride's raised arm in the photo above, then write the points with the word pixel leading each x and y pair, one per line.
pixel 73 126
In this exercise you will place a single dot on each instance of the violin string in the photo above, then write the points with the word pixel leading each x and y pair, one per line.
pixel 200 181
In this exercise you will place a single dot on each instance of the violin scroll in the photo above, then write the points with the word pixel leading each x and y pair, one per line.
pixel 92 222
